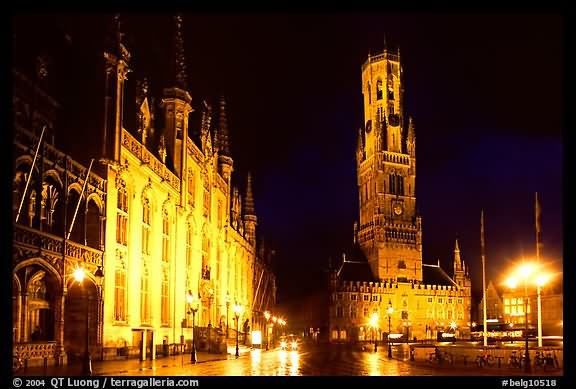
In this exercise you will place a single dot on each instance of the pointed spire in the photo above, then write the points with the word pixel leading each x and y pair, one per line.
pixel 180 60
pixel 249 201
pixel 411 133
pixel 457 260
pixel 385 46
pixel 223 142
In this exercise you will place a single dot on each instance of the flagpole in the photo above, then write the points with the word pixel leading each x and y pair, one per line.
pixel 30 174
pixel 538 248
pixel 482 253
pixel 80 199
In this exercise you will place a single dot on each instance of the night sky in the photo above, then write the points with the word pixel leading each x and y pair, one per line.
pixel 484 92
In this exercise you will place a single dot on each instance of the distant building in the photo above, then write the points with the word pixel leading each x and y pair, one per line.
pixel 494 305
pixel 387 271
pixel 551 307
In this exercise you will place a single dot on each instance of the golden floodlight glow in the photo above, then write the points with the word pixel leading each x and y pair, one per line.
pixel 79 274
pixel 526 269
pixel 238 308
pixel 267 315
pixel 256 337
pixel 512 282
pixel 374 320
pixel 189 297
pixel 390 310
pixel 541 279
pixel 453 325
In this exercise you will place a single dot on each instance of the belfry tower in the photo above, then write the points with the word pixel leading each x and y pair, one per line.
pixel 390 231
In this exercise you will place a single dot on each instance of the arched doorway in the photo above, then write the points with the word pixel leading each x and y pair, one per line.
pixel 41 303
pixel 80 320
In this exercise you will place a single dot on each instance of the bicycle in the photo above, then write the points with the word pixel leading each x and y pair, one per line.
pixel 17 363
pixel 514 361
pixel 484 360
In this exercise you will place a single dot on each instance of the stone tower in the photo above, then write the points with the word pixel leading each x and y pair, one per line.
pixel 390 231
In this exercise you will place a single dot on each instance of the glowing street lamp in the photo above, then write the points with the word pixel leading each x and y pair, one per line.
pixel 267 316
pixel 192 308
pixel 524 271
pixel 79 276
pixel 237 312
pixel 227 298
pixel 390 311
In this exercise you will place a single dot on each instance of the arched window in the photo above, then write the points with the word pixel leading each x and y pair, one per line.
pixel 165 236
pixel 189 237
pixel 165 300
pixel 92 224
pixel 392 183
pixel 369 91
pixel 120 289
pixel 146 227
pixel 190 187
pixel 379 90
pixel 122 215
pixel 205 257
pixel 145 294
pixel 399 185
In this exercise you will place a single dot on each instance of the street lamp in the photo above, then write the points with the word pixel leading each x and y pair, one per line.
pixel 267 316
pixel 274 329
pixel 237 312
pixel 79 275
pixel 210 296
pixel 524 272
pixel 192 308
pixel 390 310
pixel 374 325
pixel 227 312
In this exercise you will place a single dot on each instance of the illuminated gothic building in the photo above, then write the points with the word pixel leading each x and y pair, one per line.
pixel 385 276
pixel 162 233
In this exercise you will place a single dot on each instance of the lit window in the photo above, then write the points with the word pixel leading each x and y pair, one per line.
pixel 379 90
pixel 122 215
pixel 164 300
pixel 146 227
pixel 165 236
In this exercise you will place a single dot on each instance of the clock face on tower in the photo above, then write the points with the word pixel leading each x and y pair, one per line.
pixel 398 209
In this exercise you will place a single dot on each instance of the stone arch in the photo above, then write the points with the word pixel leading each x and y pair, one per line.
pixel 16 306
pixel 53 173
pixel 38 292
pixel 77 234
pixel 80 318
pixel 25 160
pixel 93 221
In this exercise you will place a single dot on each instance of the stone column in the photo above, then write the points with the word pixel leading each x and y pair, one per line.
pixel 24 317
pixel 60 311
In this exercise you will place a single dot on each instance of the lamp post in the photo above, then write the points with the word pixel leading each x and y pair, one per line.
pixel 192 308
pixel 274 321
pixel 210 296
pixel 237 311
pixel 524 272
pixel 540 281
pixel 390 310
pixel 267 316
pixel 227 312
pixel 79 275
pixel 374 325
